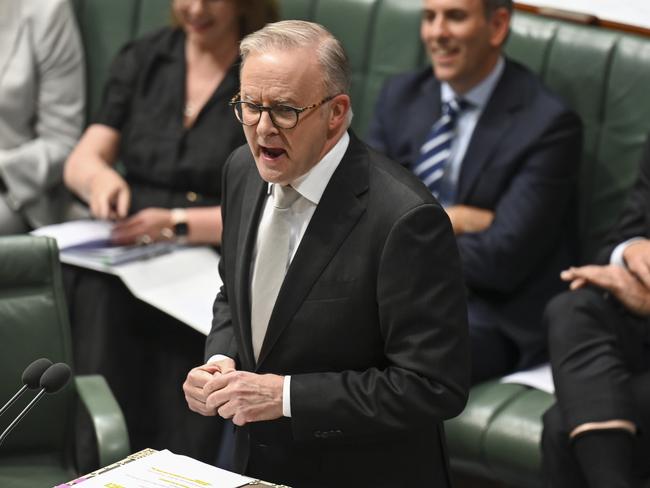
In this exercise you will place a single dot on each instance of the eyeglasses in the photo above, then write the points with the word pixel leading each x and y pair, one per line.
pixel 282 116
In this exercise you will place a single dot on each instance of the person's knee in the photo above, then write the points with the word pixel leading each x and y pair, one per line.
pixel 564 316
pixel 555 315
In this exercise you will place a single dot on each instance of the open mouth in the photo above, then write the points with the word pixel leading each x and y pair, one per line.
pixel 272 152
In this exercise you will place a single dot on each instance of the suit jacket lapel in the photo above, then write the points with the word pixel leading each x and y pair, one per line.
pixel 10 26
pixel 252 204
pixel 336 215
pixel 496 120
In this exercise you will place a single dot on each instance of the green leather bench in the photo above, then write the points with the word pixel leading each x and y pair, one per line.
pixel 604 75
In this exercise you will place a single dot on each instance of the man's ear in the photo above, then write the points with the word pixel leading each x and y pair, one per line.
pixel 499 25
pixel 339 109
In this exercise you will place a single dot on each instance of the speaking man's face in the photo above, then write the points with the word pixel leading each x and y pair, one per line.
pixel 462 42
pixel 292 78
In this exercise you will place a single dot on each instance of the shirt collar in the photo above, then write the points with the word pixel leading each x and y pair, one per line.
pixel 481 93
pixel 312 184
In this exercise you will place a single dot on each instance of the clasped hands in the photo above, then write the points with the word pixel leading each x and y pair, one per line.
pixel 217 388
pixel 630 285
pixel 109 197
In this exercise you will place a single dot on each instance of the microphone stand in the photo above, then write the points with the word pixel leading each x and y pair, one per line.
pixel 20 416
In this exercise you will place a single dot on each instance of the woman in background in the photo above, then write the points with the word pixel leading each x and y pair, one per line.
pixel 165 118
pixel 41 110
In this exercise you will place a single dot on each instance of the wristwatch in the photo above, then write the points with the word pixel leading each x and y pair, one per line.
pixel 179 224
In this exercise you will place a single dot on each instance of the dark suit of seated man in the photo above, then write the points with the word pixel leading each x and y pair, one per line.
pixel 503 161
pixel 339 342
pixel 597 434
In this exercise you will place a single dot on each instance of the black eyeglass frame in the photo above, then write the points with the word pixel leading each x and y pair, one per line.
pixel 237 101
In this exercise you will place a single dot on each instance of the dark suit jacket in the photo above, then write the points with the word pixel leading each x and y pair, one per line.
pixel 370 323
pixel 521 163
pixel 635 218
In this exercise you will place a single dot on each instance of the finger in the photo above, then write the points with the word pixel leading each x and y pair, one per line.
pixel 577 283
pixel 226 410
pixel 199 407
pixel 123 202
pixel 198 377
pixel 218 381
pixel 100 206
pixel 218 399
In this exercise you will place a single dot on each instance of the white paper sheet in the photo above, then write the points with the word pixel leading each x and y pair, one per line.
pixel 77 232
pixel 632 12
pixel 165 469
pixel 539 377
pixel 182 283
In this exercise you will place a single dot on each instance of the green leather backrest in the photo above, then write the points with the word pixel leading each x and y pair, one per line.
pixel 604 76
pixel 105 27
pixel 33 324
pixel 152 14
pixel 297 9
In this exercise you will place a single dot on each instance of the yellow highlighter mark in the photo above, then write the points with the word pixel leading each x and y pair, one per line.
pixel 179 477
pixel 114 485
pixel 175 483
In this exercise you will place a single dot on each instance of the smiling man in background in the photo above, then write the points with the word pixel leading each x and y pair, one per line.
pixel 501 154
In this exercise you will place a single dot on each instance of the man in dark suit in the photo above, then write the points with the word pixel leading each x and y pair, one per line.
pixel 339 345
pixel 599 339
pixel 507 167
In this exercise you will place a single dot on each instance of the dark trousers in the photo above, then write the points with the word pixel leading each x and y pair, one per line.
pixel 600 356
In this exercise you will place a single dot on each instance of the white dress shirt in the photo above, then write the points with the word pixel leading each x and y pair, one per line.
pixel 311 187
pixel 617 254
pixel 478 98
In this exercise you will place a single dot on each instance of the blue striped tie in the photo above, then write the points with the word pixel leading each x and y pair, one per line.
pixel 436 151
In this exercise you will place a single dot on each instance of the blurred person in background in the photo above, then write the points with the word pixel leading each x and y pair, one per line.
pixel 41 110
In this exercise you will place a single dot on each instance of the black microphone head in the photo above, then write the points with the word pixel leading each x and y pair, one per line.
pixel 33 372
pixel 55 377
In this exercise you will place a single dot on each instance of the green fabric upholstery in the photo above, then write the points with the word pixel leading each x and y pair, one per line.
pixel 152 14
pixel 297 9
pixel 602 74
pixel 33 324
pixel 105 27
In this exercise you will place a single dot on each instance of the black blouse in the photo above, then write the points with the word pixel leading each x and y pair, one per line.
pixel 166 164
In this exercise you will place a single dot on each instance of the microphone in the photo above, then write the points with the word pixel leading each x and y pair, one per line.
pixel 31 380
pixel 54 378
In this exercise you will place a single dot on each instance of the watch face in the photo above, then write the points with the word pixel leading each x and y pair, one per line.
pixel 181 229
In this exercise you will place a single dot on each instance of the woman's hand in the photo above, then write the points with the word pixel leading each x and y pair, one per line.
pixel 146 226
pixel 108 194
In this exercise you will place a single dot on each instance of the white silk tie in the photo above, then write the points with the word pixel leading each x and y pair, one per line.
pixel 271 263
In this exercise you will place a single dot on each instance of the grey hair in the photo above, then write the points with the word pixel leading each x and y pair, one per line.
pixel 295 34
pixel 491 5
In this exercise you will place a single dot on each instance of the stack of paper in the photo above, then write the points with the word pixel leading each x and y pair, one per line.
pixel 87 243
pixel 163 469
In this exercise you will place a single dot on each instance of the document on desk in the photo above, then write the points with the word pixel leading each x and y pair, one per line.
pixel 164 469
pixel 182 281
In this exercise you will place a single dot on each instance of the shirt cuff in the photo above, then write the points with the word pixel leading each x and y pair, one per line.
pixel 217 357
pixel 286 396
pixel 617 254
